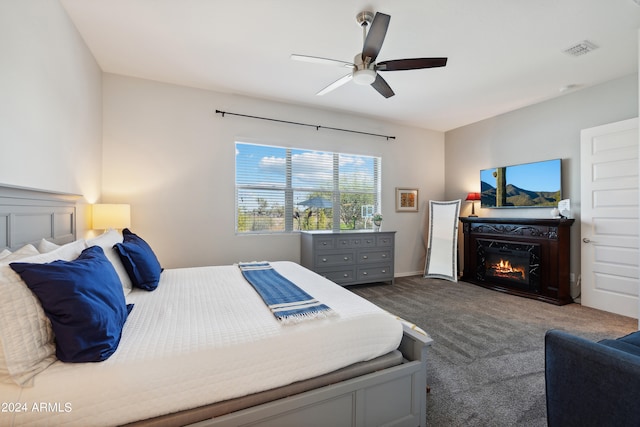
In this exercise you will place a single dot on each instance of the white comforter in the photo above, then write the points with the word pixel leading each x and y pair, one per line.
pixel 203 336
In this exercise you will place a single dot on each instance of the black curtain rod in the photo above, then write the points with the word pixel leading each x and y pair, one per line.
pixel 318 127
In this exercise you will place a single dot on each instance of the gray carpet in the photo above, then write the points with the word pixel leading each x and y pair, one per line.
pixel 486 364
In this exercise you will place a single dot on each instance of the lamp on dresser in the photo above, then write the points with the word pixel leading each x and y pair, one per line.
pixel 473 198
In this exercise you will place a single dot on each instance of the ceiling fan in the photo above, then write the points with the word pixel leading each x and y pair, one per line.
pixel 364 69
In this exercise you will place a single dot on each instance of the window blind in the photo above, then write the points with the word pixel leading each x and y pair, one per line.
pixel 282 189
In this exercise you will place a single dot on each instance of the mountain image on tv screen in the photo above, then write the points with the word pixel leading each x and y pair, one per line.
pixel 530 185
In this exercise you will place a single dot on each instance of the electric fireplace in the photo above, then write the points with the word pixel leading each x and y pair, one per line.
pixel 522 256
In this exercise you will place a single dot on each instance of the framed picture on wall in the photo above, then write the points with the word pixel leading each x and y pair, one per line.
pixel 406 200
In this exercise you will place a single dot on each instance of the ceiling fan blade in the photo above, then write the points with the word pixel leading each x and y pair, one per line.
pixel 383 87
pixel 336 84
pixel 375 36
pixel 410 64
pixel 325 61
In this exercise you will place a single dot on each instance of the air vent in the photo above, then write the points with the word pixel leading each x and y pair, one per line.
pixel 581 48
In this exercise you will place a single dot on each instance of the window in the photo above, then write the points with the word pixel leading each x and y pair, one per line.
pixel 287 189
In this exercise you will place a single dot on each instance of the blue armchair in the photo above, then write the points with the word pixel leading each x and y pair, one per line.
pixel 592 383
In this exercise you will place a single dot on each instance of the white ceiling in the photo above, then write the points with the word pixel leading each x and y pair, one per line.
pixel 503 54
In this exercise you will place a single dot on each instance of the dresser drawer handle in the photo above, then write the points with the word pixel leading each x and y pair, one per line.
pixel 368 241
pixel 346 258
pixel 346 275
pixel 344 242
pixel 324 260
pixel 384 271
pixel 364 273
pixel 365 257
pixel 384 255
pixel 324 243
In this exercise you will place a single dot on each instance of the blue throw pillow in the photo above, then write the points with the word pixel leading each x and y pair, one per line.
pixel 84 300
pixel 138 258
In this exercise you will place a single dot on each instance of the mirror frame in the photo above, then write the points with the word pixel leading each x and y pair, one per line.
pixel 442 246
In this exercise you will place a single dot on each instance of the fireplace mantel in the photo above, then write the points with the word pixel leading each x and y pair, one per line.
pixel 547 241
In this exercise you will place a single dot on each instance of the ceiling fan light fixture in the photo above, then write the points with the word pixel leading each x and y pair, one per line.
pixel 364 77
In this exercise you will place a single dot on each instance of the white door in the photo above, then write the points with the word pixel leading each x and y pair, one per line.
pixel 609 217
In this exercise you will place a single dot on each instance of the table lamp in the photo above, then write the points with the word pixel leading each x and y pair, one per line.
pixel 111 216
pixel 473 197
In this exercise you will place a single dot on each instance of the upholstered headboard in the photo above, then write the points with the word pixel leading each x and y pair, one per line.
pixel 28 215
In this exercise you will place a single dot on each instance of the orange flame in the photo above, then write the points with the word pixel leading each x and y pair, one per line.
pixel 505 267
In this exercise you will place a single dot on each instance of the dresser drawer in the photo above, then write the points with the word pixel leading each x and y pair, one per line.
pixel 333 259
pixel 348 242
pixel 375 272
pixel 374 256
pixel 321 243
pixel 369 242
pixel 340 275
pixel 384 240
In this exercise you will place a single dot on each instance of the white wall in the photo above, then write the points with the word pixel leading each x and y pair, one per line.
pixel 51 105
pixel 547 130
pixel 168 154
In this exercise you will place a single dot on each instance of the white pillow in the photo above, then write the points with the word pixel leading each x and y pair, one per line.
pixel 25 330
pixel 5 253
pixel 46 246
pixel 106 241
pixel 6 257
pixel 23 252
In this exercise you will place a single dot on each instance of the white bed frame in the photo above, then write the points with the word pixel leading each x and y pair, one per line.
pixel 394 396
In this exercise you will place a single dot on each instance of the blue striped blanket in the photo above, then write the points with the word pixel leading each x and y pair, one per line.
pixel 287 302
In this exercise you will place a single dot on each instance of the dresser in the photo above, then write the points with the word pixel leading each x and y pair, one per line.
pixel 349 257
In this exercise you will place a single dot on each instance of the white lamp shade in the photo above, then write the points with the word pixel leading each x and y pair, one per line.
pixel 116 216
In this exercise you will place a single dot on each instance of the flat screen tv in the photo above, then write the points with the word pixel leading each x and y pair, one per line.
pixel 527 185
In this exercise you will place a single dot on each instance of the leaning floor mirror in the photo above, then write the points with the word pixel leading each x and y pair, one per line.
pixel 442 247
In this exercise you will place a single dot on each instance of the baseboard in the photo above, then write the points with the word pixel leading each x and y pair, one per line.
pixel 415 273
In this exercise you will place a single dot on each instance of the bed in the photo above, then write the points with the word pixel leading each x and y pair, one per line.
pixel 203 348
